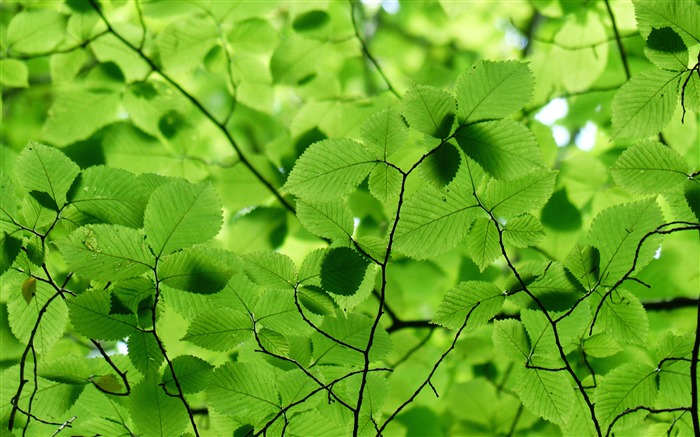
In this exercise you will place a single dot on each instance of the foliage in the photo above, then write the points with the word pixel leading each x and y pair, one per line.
pixel 291 218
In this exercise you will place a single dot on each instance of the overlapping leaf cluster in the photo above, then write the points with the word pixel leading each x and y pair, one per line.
pixel 276 280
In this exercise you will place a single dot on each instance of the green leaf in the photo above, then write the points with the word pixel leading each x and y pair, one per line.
pixel 220 329
pixel 244 391
pixel 523 231
pixel 493 90
pixel 583 262
pixel 154 412
pixel 434 221
pixel 67 370
pixel 352 329
pixel 29 289
pixel 616 232
pixel 110 195
pixel 680 16
pixel 510 339
pixel 483 242
pixel 691 91
pixel 645 104
pixel 13 73
pixel 560 214
pixel 193 373
pixel 46 170
pixel 547 394
pixel 8 207
pixel 109 48
pixel 263 228
pixel 274 342
pixel 22 317
pixel 385 184
pixel 35 31
pixel 184 43
pixel 429 110
pixel 650 168
pixel 505 149
pixel 270 269
pixel 9 249
pixel 296 58
pixel 76 115
pixel 90 315
pixel 666 49
pixel 332 219
pixel 441 166
pixel 624 318
pixel 65 66
pixel 316 300
pixel 180 214
pixel 601 346
pixel 330 169
pixel 106 252
pixel 145 354
pixel 461 299
pixel 627 386
pixel 525 194
pixel 343 271
pixel 197 269
pixel 384 133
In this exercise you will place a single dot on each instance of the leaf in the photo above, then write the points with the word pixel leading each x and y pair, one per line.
pixel 650 168
pixel 220 329
pixel 493 90
pixel 110 195
pixel 627 386
pixel 22 317
pixel 547 394
pixel 666 49
pixel 331 219
pixel 510 339
pixel 109 48
pixel 9 249
pixel 90 315
pixel 145 354
pixel 680 16
pixel 624 318
pixel 35 31
pixel 184 43
pixel 8 207
pixel 384 133
pixel 434 221
pixel 601 346
pixel 316 300
pixel 354 330
pixel 154 412
pixel 274 342
pixel 106 252
pixel 329 169
pixel 517 196
pixel 296 58
pixel 270 269
pixel 385 184
pixel 523 231
pixel 76 115
pixel 505 149
pixel 691 91
pixel 645 104
pixel 429 110
pixel 66 370
pixel 560 214
pixel 29 289
pixel 583 262
pixel 193 374
pixel 460 300
pixel 343 271
pixel 483 243
pixel 180 214
pixel 197 269
pixel 46 169
pixel 441 166
pixel 244 391
pixel 13 73
pixel 616 232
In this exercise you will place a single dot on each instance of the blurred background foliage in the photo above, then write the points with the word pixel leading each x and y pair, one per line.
pixel 280 75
